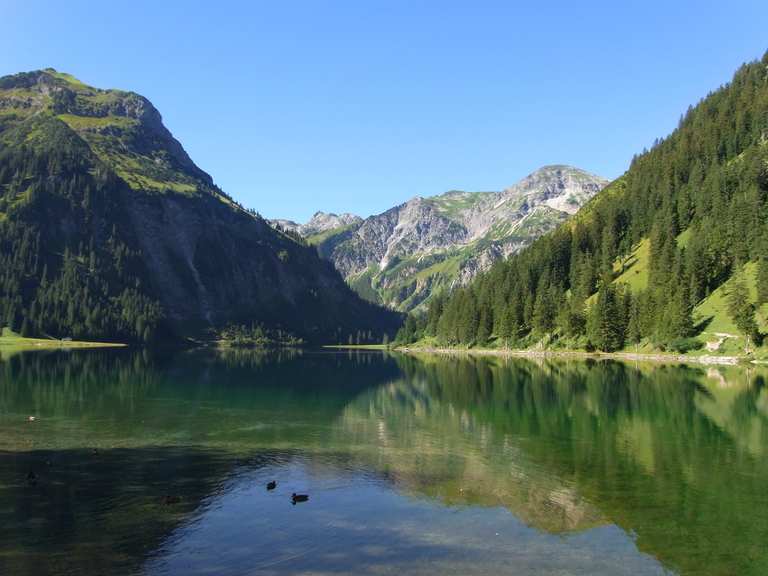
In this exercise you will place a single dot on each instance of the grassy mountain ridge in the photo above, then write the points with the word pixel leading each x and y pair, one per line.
pixel 122 128
pixel 108 230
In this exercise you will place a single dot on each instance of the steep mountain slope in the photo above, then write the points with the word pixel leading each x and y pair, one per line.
pixel 656 260
pixel 428 245
pixel 109 230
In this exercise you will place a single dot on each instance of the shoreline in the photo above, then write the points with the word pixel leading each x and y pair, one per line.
pixel 20 344
pixel 356 347
pixel 632 356
pixel 42 344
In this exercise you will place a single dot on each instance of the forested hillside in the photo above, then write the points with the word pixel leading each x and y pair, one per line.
pixel 109 231
pixel 59 273
pixel 635 263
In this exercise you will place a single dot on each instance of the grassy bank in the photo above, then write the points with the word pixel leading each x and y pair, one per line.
pixel 12 339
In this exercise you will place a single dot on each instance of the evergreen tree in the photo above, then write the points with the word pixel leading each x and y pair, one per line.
pixel 677 321
pixel 634 324
pixel 543 313
pixel 572 319
pixel 511 324
pixel 742 311
pixel 606 324
pixel 483 327
pixel 762 281
pixel 409 333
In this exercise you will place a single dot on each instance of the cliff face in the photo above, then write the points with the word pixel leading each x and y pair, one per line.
pixel 407 254
pixel 204 260
pixel 216 265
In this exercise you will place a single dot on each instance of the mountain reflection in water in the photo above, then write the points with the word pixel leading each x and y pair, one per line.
pixel 413 464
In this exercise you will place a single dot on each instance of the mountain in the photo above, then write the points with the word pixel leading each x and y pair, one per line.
pixel 404 256
pixel 320 224
pixel 673 255
pixel 109 230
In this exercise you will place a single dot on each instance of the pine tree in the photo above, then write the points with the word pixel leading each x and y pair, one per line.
pixel 468 319
pixel 510 325
pixel 679 315
pixel 634 324
pixel 543 313
pixel 607 251
pixel 742 311
pixel 762 281
pixel 571 319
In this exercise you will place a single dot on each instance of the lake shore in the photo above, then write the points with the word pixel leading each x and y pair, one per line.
pixel 50 344
pixel 631 356
pixel 356 347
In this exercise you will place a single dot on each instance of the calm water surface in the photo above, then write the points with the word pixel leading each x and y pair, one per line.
pixel 413 466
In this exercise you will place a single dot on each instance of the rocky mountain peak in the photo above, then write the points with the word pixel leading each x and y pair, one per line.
pixel 324 221
pixel 561 187
pixel 320 223
pixel 400 257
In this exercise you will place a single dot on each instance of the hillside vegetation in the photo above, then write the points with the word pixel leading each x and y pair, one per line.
pixel 671 255
pixel 109 231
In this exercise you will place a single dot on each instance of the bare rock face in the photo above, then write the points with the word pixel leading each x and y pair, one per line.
pixel 319 223
pixel 407 254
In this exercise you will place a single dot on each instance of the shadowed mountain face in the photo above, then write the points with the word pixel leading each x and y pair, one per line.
pixel 109 230
pixel 427 245
pixel 471 466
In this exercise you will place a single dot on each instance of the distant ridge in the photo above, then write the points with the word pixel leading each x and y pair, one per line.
pixel 426 246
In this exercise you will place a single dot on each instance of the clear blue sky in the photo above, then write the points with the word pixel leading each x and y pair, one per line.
pixel 294 107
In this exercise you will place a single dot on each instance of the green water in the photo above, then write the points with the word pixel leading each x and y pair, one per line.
pixel 412 465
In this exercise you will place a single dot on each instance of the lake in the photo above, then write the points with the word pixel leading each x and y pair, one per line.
pixel 413 465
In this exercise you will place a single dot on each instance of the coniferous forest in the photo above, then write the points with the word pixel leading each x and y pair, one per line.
pixel 697 201
pixel 86 282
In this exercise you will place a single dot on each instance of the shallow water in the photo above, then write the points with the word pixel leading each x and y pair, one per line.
pixel 412 465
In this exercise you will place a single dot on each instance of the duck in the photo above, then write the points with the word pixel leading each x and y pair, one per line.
pixel 32 478
pixel 170 499
pixel 271 485
pixel 299 498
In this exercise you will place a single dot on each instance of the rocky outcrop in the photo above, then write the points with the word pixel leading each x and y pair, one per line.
pixel 320 223
pixel 213 265
pixel 406 254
